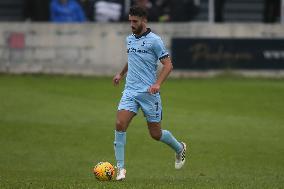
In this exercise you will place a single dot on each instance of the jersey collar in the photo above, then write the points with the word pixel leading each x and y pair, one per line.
pixel 143 34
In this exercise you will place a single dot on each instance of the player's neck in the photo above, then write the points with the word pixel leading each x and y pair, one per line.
pixel 143 32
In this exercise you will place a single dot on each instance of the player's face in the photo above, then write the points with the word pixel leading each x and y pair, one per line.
pixel 137 24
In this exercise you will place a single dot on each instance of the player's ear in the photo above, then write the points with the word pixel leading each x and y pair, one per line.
pixel 144 19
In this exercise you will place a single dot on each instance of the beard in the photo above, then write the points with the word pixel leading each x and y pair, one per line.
pixel 138 30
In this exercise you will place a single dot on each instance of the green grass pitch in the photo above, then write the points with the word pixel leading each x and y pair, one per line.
pixel 53 129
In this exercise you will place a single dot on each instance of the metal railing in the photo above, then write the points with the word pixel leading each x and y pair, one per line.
pixel 211 12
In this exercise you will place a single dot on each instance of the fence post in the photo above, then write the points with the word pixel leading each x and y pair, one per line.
pixel 211 11
pixel 282 12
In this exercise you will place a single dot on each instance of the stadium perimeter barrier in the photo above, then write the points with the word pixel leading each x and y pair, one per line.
pixel 197 49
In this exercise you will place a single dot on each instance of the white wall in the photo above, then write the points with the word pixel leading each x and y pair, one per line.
pixel 99 49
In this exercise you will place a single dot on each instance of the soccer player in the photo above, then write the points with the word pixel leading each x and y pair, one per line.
pixel 142 87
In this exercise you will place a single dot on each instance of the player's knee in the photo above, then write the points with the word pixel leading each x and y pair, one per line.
pixel 120 125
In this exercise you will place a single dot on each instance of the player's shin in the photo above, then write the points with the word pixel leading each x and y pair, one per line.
pixel 170 140
pixel 119 143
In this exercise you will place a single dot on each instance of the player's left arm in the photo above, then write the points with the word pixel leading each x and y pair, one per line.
pixel 166 70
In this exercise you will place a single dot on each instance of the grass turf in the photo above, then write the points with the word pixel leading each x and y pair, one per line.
pixel 53 129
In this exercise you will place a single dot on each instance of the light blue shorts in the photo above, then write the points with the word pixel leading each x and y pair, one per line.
pixel 150 104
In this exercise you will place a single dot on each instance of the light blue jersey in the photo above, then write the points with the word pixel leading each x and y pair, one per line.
pixel 143 54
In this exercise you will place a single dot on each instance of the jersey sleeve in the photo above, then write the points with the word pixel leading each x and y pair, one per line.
pixel 160 49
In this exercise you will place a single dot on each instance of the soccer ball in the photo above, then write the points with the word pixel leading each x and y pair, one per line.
pixel 104 171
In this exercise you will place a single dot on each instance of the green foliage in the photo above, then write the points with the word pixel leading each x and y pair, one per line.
pixel 54 129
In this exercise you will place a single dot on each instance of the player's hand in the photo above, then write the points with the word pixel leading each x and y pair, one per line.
pixel 116 79
pixel 154 89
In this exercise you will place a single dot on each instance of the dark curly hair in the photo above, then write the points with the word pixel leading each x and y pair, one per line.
pixel 138 11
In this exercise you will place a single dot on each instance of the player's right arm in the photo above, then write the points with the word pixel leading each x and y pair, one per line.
pixel 116 79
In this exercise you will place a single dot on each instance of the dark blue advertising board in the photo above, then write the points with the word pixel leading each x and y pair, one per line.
pixel 227 53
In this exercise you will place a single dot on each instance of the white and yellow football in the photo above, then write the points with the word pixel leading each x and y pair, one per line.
pixel 104 171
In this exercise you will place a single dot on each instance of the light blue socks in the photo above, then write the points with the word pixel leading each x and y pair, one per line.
pixel 170 140
pixel 119 143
